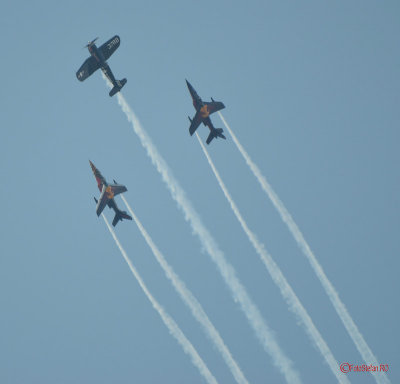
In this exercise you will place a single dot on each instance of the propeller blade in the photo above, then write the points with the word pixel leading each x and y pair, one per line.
pixel 90 43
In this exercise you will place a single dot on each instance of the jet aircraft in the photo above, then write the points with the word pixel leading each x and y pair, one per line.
pixel 98 59
pixel 108 191
pixel 203 111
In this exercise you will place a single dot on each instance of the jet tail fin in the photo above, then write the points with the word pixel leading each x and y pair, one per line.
pixel 119 216
pixel 217 132
pixel 117 87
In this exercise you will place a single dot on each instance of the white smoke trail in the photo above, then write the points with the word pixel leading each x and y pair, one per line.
pixel 261 329
pixel 173 328
pixel 279 279
pixel 191 302
pixel 339 306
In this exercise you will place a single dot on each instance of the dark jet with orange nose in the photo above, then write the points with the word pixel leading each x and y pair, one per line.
pixel 203 111
pixel 108 191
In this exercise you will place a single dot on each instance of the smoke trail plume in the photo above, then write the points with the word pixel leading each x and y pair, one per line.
pixel 191 302
pixel 339 306
pixel 240 295
pixel 279 279
pixel 173 328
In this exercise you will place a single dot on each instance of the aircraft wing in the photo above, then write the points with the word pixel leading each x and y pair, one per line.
pixel 110 46
pixel 87 68
pixel 103 200
pixel 214 106
pixel 197 119
pixel 99 177
pixel 116 189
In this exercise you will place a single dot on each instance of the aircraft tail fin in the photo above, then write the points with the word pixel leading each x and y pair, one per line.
pixel 217 132
pixel 119 216
pixel 117 87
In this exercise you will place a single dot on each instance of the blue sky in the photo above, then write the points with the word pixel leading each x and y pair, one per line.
pixel 312 92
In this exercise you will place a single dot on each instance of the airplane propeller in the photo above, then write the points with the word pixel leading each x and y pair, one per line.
pixel 90 43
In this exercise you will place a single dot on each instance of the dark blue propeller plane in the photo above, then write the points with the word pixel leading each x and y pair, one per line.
pixel 108 191
pixel 98 59
pixel 203 111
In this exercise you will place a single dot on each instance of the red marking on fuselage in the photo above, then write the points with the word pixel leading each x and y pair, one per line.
pixel 97 176
pixel 99 183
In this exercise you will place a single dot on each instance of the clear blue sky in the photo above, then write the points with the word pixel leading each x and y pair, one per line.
pixel 311 90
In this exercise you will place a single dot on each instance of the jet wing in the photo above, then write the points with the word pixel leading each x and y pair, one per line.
pixel 214 106
pixel 103 200
pixel 87 68
pixel 116 189
pixel 110 46
pixel 197 119
pixel 99 177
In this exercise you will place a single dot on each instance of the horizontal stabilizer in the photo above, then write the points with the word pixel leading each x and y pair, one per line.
pixel 209 138
pixel 119 216
pixel 117 87
pixel 217 132
pixel 124 215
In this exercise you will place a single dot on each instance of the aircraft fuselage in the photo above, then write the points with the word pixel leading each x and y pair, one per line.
pixel 96 53
pixel 110 195
pixel 203 112
pixel 108 191
pixel 200 106
pixel 98 60
pixel 99 57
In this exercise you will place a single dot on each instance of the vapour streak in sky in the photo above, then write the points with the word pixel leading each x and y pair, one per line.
pixel 339 306
pixel 261 329
pixel 173 328
pixel 279 279
pixel 191 302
